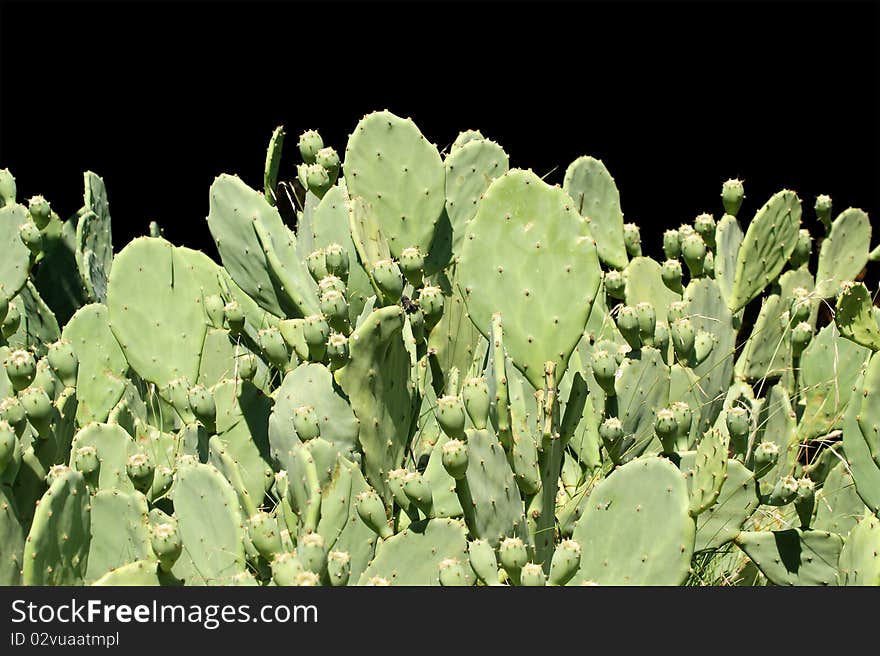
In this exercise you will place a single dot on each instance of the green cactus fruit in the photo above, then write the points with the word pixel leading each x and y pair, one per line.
pixel 4 307
pixel 301 175
pixel 704 225
pixel 166 544
pixel 395 484
pixel 371 510
pixel 532 575
pixel 316 261
pixel 274 346
pixel 336 261
pixel 431 304
pixel 163 478
pixel 55 472
pixel 513 556
pixel 265 535
pixel 338 568
pixel 412 263
pixel 823 210
pixel 246 366
pixel 329 159
pixel 475 393
pixel 85 460
pixel 801 335
pixel 175 392
pixel 387 275
pixel 676 310
pixel 802 250
pixel 709 264
pixel 417 490
pixel 693 250
pixel 605 367
pixel 565 562
pixel 30 236
pixel 739 427
pixel 455 458
pixel 483 561
pixel 671 273
pixel 334 307
pixel 21 367
pixel 632 239
pixel 214 309
pixel 318 180
pixel 805 501
pixel 794 557
pixel 732 195
pixel 12 412
pixel 801 306
pixel 647 319
pixel 684 419
pixel 628 325
pixel 450 416
pixel 615 284
pixel 310 142
pixel 859 562
pixel 331 282
pixel 201 401
pixel 7 188
pixel 39 409
pixel 704 344
pixel 8 445
pixel 683 339
pixel 140 468
pixel 451 573
pixel 286 568
pixel 666 429
pixel 765 458
pixel 312 553
pixel 64 361
pixel 316 330
pixel 671 244
pixel 337 350
pixel 305 422
pixel 784 492
pixel 855 316
pixel 234 316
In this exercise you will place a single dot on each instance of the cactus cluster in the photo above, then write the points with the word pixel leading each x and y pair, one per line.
pixel 415 367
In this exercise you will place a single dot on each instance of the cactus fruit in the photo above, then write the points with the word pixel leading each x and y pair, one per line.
pixel 425 368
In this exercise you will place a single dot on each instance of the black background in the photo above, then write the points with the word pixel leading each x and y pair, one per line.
pixel 160 98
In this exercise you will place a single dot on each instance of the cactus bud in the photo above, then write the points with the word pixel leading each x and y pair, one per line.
pixel 671 244
pixel 661 339
pixel 11 321
pixel 316 261
pixel 166 543
pixel 671 274
pixel 331 282
pixel 337 351
pixel 55 472
pixel 312 553
pixel 765 458
pixel 632 239
pixel 683 338
pixel 647 319
pixel 412 263
pixel 305 423
pixel 30 236
pixel 704 225
pixel 140 468
pixel 328 158
pixel 4 305
pixel 513 556
pixel 316 330
pixel 801 306
pixel 418 491
pixel 455 458
pixel 615 284
pixel 286 569
pixel 704 343
pixel 8 445
pixel 21 367
pixel 666 428
pixel 802 249
pixel 801 335
pixel 805 501
pixel 732 194
pixel 784 492
pixel 605 370
pixel 371 510
pixel 7 188
pixel 85 459
pixel 475 393
pixel 709 265
pixel 234 317
pixel 693 249
pixel 823 210
pixel 163 477
pixel 450 416
pixel 246 366
pixel 451 573
pixel 532 575
pixel 628 325
pixel 336 261
pixel 684 419
pixel 201 401
pixel 38 408
pixel 565 563
pixel 63 361
pixel 214 310
pixel 12 412
pixel 338 568
pixel 676 310
pixel 310 142
pixel 739 426
pixel 41 213
pixel 483 561
pixel 388 278
pixel 431 303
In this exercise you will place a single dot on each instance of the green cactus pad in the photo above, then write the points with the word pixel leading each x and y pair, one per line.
pixel 645 284
pixel 211 526
pixel 378 385
pixel 114 446
pixel 855 316
pixel 636 529
pixel 102 364
pixel 273 162
pixel 390 164
pixel 413 556
pixel 844 252
pixel 120 532
pixel 708 472
pixel 794 557
pixel 57 547
pixel 766 247
pixel 470 170
pixel 642 388
pixel 12 535
pixel 764 354
pixel 311 384
pixel 38 327
pixel 595 195
pixel 838 505
pixel 728 238
pixel 140 573
pixel 16 256
pixel 548 255
pixel 777 424
pixel 860 557
pixel 235 214
pixel 94 241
